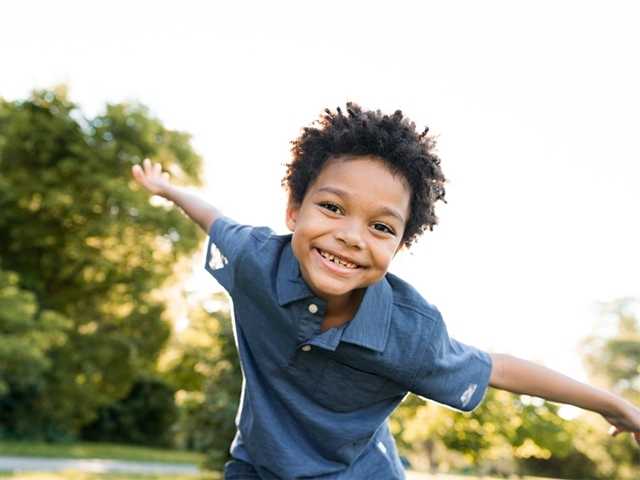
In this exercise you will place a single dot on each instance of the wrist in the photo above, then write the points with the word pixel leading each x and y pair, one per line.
pixel 168 191
pixel 615 405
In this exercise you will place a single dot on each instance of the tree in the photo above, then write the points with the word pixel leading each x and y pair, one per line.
pixel 202 364
pixel 25 342
pixel 507 434
pixel 613 359
pixel 144 417
pixel 88 250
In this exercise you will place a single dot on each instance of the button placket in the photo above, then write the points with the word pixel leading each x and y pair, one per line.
pixel 308 324
pixel 313 309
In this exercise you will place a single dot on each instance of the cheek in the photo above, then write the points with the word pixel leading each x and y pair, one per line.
pixel 384 255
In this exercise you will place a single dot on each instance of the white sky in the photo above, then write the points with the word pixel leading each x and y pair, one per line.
pixel 536 106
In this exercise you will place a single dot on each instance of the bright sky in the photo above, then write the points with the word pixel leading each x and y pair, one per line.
pixel 536 107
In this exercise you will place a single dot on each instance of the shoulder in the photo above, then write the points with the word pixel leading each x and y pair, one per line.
pixel 261 257
pixel 266 245
pixel 412 308
pixel 240 238
pixel 415 325
pixel 237 251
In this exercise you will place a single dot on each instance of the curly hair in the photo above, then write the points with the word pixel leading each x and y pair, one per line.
pixel 392 138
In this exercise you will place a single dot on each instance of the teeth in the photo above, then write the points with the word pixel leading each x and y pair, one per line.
pixel 337 260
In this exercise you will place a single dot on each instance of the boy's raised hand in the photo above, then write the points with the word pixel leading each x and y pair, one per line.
pixel 151 177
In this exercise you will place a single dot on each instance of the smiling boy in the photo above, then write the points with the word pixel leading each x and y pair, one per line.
pixel 329 341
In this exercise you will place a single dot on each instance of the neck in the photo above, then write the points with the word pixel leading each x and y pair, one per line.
pixel 342 309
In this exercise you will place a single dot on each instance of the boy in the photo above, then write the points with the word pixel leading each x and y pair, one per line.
pixel 329 342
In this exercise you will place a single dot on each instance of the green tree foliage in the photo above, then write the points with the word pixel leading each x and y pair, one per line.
pixel 145 416
pixel 203 365
pixel 614 359
pixel 504 429
pixel 507 434
pixel 88 249
pixel 25 342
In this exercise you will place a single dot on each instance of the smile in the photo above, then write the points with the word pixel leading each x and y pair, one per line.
pixel 337 260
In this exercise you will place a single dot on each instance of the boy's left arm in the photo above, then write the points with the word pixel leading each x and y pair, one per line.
pixel 524 377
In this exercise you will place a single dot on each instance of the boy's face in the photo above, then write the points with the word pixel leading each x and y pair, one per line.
pixel 349 226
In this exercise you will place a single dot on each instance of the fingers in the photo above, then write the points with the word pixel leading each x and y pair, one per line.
pixel 152 169
pixel 149 172
pixel 137 172
pixel 614 431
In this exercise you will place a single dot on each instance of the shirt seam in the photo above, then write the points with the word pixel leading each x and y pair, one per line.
pixel 421 364
pixel 244 252
pixel 417 310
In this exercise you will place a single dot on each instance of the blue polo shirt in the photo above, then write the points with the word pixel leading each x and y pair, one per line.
pixel 315 404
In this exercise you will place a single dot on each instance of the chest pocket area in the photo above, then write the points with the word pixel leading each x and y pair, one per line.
pixel 305 370
pixel 344 388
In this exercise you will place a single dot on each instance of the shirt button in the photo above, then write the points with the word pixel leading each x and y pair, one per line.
pixel 313 308
pixel 306 348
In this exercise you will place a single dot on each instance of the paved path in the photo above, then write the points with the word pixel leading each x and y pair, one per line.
pixel 37 464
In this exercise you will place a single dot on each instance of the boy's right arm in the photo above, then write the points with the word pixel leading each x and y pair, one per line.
pixel 523 377
pixel 157 182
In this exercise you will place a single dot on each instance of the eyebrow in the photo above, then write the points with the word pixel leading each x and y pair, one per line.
pixel 383 209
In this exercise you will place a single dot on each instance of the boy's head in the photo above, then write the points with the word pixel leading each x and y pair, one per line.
pixel 360 187
pixel 391 138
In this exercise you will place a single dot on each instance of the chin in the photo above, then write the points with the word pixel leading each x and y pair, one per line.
pixel 333 290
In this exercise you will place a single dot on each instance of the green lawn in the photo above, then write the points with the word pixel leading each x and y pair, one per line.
pixel 125 452
pixel 211 476
pixel 70 475
pixel 98 450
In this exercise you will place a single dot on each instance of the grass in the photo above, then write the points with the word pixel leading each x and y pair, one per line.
pixel 72 475
pixel 443 476
pixel 141 454
pixel 98 450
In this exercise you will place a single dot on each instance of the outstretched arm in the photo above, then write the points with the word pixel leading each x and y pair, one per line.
pixel 157 182
pixel 524 377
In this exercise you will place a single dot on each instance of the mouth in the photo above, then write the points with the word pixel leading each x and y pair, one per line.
pixel 340 261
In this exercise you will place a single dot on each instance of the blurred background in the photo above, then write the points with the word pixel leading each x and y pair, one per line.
pixel 111 331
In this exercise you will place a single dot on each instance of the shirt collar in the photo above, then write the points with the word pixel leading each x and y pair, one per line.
pixel 370 326
pixel 290 285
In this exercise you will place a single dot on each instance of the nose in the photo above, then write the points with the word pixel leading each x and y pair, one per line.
pixel 350 234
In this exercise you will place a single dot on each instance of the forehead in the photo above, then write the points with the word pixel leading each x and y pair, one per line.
pixel 364 178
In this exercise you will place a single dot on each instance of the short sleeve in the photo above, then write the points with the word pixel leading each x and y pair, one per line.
pixel 451 372
pixel 227 242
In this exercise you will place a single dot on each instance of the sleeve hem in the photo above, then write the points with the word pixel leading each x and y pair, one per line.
pixel 482 386
pixel 213 224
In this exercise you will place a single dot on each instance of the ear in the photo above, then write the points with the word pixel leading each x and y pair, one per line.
pixel 292 214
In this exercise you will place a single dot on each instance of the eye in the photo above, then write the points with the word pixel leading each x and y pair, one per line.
pixel 381 227
pixel 332 207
